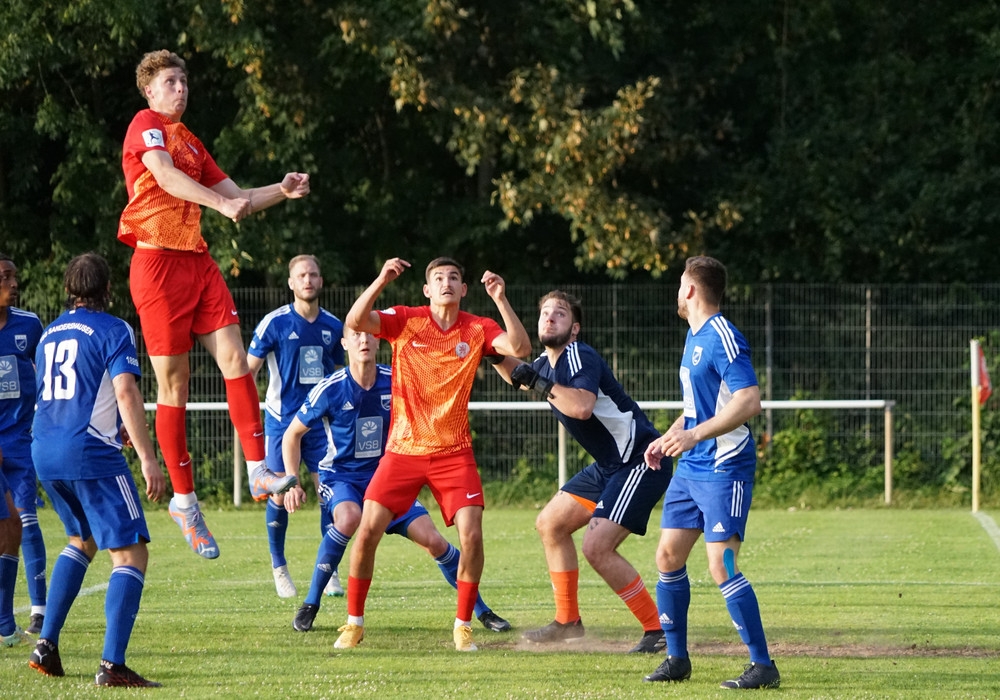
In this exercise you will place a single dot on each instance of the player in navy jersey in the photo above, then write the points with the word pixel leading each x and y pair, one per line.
pixel 350 410
pixel 88 406
pixel 300 342
pixel 19 333
pixel 712 488
pixel 614 496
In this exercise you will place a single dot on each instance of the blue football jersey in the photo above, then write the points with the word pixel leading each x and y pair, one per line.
pixel 75 433
pixel 18 341
pixel 299 354
pixel 716 364
pixel 617 433
pixel 355 422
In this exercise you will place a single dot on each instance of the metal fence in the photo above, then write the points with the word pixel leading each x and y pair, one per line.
pixel 907 344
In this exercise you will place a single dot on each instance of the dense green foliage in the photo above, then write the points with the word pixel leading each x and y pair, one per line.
pixel 555 140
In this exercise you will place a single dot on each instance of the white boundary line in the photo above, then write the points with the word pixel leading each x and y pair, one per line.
pixel 83 591
pixel 990 526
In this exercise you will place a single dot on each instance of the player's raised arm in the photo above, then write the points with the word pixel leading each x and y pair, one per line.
pixel 515 342
pixel 178 184
pixel 362 317
pixel 292 186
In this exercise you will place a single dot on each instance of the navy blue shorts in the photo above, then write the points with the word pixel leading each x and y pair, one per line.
pixel 626 496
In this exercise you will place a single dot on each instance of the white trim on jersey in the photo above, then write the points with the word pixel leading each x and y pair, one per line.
pixel 573 358
pixel 727 337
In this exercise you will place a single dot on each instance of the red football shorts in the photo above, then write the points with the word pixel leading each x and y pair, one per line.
pixel 178 295
pixel 453 480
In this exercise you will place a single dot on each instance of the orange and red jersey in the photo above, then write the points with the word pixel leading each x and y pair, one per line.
pixel 432 375
pixel 152 215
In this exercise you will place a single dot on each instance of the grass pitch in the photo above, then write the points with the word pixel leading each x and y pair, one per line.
pixel 856 604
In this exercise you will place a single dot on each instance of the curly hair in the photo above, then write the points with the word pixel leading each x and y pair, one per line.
pixel 152 63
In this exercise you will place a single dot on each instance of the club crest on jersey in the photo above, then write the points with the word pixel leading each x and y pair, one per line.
pixel 462 349
pixel 386 402
pixel 21 341
pixel 327 337
pixel 696 355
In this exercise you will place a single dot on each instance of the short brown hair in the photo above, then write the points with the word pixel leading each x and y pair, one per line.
pixel 710 275
pixel 443 262
pixel 574 303
pixel 152 63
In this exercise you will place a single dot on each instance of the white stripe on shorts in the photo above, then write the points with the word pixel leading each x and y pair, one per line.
pixel 124 482
pixel 628 490
pixel 736 505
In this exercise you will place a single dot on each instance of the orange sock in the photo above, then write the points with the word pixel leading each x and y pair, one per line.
pixel 641 604
pixel 564 589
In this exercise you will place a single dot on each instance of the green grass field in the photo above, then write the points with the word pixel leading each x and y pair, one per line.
pixel 856 604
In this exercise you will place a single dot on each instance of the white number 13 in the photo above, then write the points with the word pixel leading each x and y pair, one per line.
pixel 60 360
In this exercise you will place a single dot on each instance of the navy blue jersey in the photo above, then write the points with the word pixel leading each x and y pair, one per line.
pixel 18 341
pixel 299 353
pixel 617 433
pixel 355 422
pixel 75 434
pixel 716 364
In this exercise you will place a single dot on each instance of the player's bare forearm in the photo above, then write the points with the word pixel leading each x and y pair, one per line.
pixel 292 186
pixel 178 184
pixel 361 317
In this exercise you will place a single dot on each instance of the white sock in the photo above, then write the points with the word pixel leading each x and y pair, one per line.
pixel 253 466
pixel 185 500
pixel 358 620
pixel 461 623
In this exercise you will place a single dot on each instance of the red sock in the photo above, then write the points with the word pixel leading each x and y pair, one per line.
pixel 468 592
pixel 244 411
pixel 357 593
pixel 564 588
pixel 171 437
pixel 641 604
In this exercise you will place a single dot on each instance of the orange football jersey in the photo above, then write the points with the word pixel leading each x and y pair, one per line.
pixel 432 375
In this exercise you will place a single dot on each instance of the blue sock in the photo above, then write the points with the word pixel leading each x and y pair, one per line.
pixel 325 519
pixel 67 578
pixel 277 525
pixel 673 598
pixel 33 552
pixel 742 605
pixel 448 563
pixel 331 551
pixel 121 605
pixel 8 577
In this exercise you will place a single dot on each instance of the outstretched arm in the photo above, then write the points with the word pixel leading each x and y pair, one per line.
pixel 292 186
pixel 362 317
pixel 515 342
pixel 224 200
